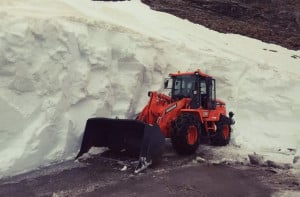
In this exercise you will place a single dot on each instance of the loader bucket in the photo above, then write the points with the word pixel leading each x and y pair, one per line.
pixel 137 138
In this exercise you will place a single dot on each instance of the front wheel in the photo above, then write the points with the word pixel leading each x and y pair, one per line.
pixel 223 133
pixel 185 134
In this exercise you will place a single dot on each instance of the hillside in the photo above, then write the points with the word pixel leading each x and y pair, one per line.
pixel 272 21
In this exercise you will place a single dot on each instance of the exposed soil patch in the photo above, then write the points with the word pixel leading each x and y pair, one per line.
pixel 174 176
pixel 272 21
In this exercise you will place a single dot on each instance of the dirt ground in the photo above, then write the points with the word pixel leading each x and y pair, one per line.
pixel 173 176
pixel 272 21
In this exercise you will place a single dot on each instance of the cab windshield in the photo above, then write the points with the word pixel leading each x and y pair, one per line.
pixel 183 86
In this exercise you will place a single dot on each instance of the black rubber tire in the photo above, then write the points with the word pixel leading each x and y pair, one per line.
pixel 179 134
pixel 219 138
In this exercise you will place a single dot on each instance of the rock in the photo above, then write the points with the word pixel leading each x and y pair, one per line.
pixel 296 159
pixel 284 166
pixel 272 164
pixel 256 159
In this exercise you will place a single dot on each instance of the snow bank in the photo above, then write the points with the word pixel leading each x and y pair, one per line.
pixel 62 62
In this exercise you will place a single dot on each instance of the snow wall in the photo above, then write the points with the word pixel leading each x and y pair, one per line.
pixel 56 72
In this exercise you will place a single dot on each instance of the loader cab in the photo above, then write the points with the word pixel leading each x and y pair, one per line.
pixel 201 89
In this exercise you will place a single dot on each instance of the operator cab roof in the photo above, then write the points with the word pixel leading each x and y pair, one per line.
pixel 197 72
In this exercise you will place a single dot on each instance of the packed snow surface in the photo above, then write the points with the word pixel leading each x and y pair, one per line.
pixel 64 61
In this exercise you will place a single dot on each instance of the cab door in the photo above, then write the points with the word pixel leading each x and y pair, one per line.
pixel 208 93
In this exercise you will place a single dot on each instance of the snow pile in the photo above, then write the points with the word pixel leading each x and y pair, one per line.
pixel 64 61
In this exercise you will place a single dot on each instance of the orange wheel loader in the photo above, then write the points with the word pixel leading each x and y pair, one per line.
pixel 189 112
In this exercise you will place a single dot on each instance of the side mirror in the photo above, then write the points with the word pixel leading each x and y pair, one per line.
pixel 166 83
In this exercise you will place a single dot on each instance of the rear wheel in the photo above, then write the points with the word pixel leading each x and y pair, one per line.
pixel 223 133
pixel 185 134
